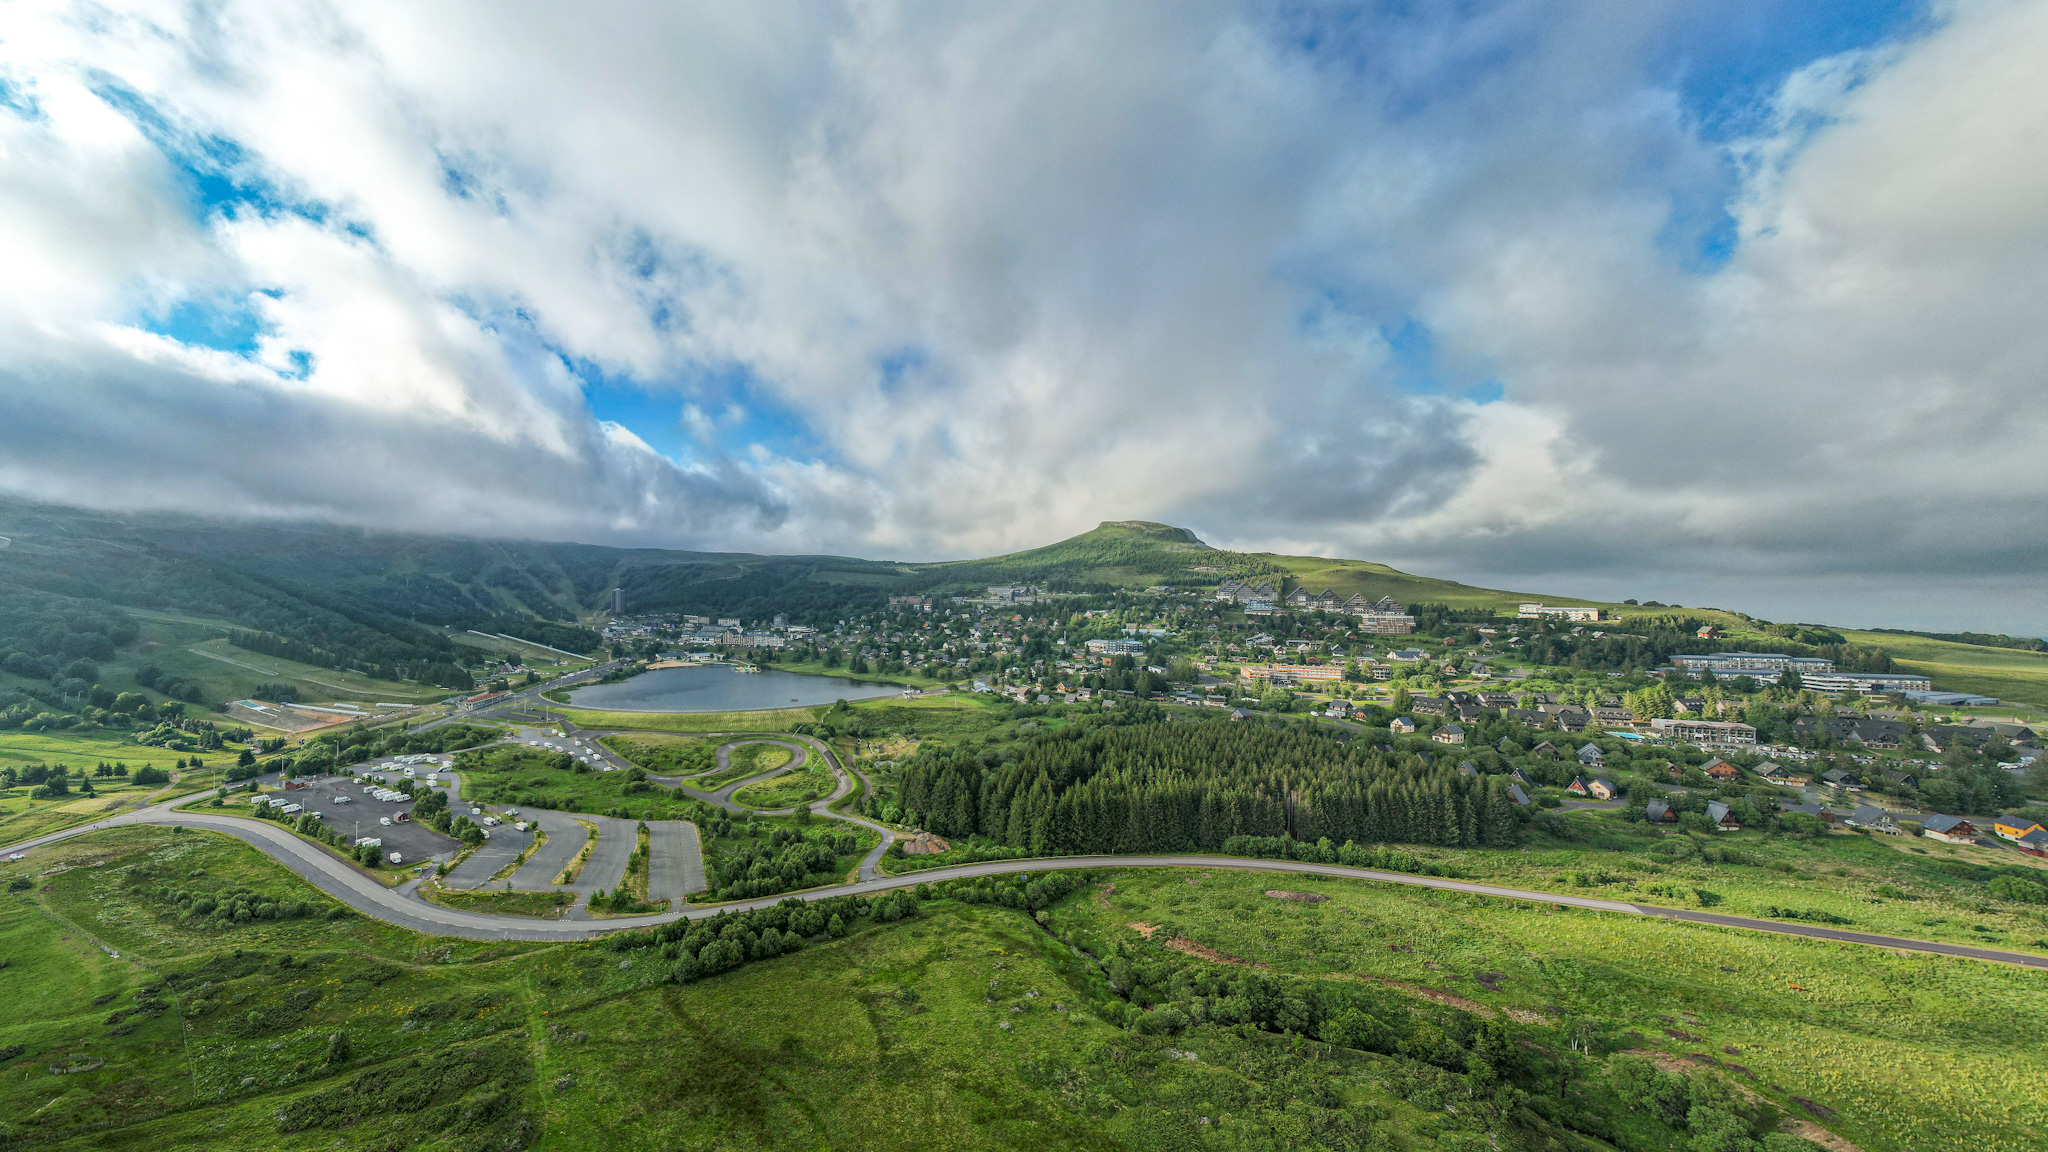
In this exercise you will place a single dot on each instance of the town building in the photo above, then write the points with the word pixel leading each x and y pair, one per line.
pixel 1704 731
pixel 1834 683
pixel 1767 666
pixel 1541 611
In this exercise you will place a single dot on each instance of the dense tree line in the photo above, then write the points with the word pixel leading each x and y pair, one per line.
pixel 1193 786
pixel 806 591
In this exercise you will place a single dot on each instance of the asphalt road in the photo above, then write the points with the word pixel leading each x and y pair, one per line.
pixel 350 885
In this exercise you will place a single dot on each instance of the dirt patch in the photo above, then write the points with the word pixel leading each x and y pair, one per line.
pixel 1103 896
pixel 1675 1034
pixel 1297 897
pixel 1808 1130
pixel 1814 1109
pixel 1525 1016
pixel 1145 930
pixel 1438 996
pixel 1488 980
pixel 1203 952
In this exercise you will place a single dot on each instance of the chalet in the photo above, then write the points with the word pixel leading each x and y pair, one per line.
pixel 1574 719
pixel 1658 812
pixel 1900 781
pixel 2034 843
pixel 1498 701
pixel 1403 726
pixel 1719 769
pixel 1516 794
pixel 1545 747
pixel 1450 734
pixel 1723 819
pixel 1835 776
pixel 1602 788
pixel 1874 818
pixel 1771 770
pixel 1527 717
pixel 1614 717
pixel 1467 769
pixel 2014 828
pixel 1299 598
pixel 1951 829
pixel 1428 705
pixel 1690 706
pixel 1240 714
pixel 1518 777
pixel 1577 787
pixel 1591 754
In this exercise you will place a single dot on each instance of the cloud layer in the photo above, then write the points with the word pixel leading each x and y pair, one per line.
pixel 1485 294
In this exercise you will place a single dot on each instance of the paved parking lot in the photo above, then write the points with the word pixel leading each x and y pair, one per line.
pixel 347 809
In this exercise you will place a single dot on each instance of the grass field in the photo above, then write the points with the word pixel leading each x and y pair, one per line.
pixel 1884 884
pixel 525 777
pixel 810 781
pixel 1909 1050
pixel 2007 673
pixel 666 755
pixel 189 649
pixel 498 901
pixel 745 760
pixel 964 1027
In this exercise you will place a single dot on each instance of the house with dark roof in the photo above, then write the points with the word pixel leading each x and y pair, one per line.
pixel 1602 789
pixel 1719 769
pixel 1577 787
pixel 1723 819
pixel 1874 818
pixel 1516 794
pixel 2034 843
pixel 2014 828
pixel 1546 746
pixel 1952 829
pixel 1591 754
pixel 1658 812
pixel 1449 734
pixel 1402 725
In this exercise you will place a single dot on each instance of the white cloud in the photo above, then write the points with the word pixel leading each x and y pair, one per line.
pixel 1121 260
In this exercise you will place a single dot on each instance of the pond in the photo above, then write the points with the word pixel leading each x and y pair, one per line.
pixel 722 688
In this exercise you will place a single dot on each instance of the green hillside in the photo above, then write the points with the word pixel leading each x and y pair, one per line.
pixel 1140 553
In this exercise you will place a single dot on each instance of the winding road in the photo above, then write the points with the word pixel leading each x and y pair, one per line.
pixel 678 869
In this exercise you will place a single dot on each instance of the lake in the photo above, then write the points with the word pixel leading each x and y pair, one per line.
pixel 720 688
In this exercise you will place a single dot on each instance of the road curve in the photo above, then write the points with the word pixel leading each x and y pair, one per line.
pixel 349 885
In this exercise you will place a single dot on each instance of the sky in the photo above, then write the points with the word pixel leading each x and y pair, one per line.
pixel 1725 303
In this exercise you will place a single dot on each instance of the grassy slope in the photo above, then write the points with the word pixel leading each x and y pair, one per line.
pixel 1910 1050
pixel 168 641
pixel 807 782
pixel 898 1028
pixel 2007 673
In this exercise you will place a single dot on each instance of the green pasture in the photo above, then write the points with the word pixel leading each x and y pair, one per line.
pixel 1908 1050
pixel 810 781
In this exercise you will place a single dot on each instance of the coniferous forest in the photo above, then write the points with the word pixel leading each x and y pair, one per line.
pixel 1168 787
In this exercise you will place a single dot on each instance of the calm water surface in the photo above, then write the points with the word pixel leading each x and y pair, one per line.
pixel 719 688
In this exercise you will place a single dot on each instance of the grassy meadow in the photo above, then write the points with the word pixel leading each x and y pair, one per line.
pixel 1907 1051
pixel 971 1026
pixel 811 780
